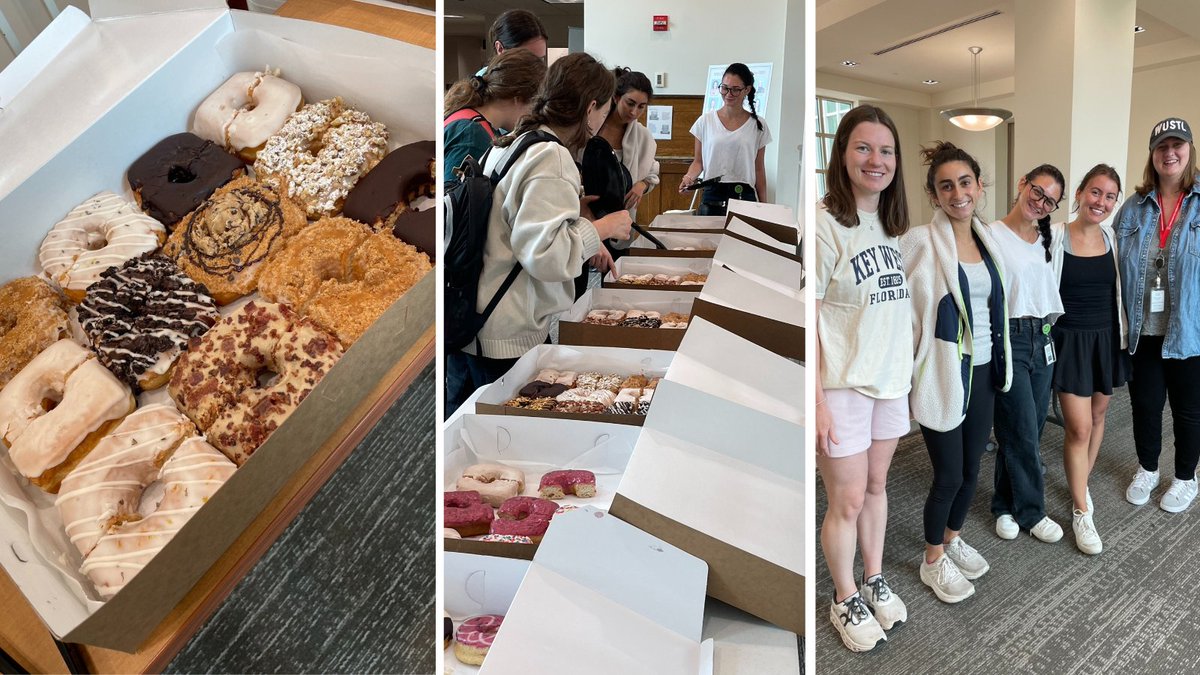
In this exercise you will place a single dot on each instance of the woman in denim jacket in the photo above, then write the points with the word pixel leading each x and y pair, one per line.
pixel 1158 243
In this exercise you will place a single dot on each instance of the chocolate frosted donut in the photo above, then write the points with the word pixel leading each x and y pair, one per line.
pixel 140 316
pixel 418 228
pixel 178 174
pixel 403 175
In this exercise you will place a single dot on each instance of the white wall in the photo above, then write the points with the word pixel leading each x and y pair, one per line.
pixel 1158 93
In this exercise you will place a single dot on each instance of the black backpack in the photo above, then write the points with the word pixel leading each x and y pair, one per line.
pixel 468 205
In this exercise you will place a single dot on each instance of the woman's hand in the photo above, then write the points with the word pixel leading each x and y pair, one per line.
pixel 635 195
pixel 602 262
pixel 614 226
pixel 687 181
pixel 825 433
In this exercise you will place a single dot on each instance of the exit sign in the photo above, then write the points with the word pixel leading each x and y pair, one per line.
pixel 660 22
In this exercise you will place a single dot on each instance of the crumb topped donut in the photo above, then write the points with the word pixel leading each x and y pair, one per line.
pixel 244 111
pixel 321 151
pixel 178 173
pixel 224 242
pixel 33 316
pixel 140 316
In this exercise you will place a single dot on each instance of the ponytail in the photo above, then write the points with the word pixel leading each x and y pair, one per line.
pixel 1044 231
pixel 753 113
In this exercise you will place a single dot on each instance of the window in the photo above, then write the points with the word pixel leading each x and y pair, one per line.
pixel 829 114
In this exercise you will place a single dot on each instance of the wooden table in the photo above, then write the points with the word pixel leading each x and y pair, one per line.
pixel 25 638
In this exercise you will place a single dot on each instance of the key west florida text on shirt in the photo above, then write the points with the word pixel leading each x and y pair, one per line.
pixel 881 262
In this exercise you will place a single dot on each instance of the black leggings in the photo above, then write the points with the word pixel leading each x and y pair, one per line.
pixel 955 457
pixel 1154 381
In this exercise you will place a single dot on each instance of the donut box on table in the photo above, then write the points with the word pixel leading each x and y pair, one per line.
pixel 732 425
pixel 68 135
pixel 678 245
pixel 535 447
pixel 686 222
pixel 573 329
pixel 674 269
pixel 777 238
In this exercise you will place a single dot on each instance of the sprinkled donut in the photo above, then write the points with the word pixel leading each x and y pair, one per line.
pixel 524 516
pixel 465 513
pixel 140 316
pixel 348 144
pixel 244 111
pixel 493 482
pixel 223 243
pixel 104 231
pixel 474 638
pixel 558 484
pixel 33 316
pixel 216 382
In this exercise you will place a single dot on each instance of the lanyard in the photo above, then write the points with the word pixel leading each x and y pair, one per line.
pixel 1164 226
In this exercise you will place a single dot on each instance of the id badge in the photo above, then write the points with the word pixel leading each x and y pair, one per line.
pixel 1050 353
pixel 1158 300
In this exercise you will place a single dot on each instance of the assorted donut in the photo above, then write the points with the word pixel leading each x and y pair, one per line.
pixel 33 316
pixel 241 114
pixel 488 502
pixel 178 174
pixel 592 393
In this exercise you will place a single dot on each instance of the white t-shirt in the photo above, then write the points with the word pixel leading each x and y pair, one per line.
pixel 730 154
pixel 1032 286
pixel 980 282
pixel 866 308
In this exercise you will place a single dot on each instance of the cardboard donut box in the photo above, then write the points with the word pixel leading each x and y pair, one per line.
pixel 70 132
pixel 573 331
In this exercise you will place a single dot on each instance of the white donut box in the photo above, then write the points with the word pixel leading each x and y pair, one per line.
pixel 76 108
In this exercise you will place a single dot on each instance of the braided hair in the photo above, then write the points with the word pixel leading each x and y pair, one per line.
pixel 1044 221
pixel 742 72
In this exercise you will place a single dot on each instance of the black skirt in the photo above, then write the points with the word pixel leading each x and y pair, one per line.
pixel 1089 361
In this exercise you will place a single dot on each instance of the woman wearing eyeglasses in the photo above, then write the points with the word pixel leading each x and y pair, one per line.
pixel 1023 241
pixel 730 145
pixel 1158 243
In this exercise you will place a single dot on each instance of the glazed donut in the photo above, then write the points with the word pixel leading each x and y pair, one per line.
pixel 56 409
pixel 176 175
pixel 465 513
pixel 321 152
pixel 341 275
pixel 105 489
pixel 493 482
pixel 216 382
pixel 223 243
pixel 450 533
pixel 99 233
pixel 524 516
pixel 387 191
pixel 558 484
pixel 244 111
pixel 188 480
pixel 139 317
pixel 474 638
pixel 33 316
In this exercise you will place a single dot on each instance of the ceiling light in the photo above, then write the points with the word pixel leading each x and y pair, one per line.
pixel 931 82
pixel 1139 29
pixel 976 118
pixel 849 64
pixel 452 16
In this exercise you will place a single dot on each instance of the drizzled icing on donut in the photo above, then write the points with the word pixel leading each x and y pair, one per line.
pixel 103 231
pixel 139 317
pixel 479 631
pixel 233 231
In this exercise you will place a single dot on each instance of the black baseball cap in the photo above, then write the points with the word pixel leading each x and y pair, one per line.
pixel 1172 127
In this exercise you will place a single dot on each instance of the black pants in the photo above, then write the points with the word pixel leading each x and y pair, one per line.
pixel 466 372
pixel 1154 381
pixel 955 457
pixel 714 201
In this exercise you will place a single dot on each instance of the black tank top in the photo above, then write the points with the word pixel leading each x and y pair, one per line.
pixel 1089 292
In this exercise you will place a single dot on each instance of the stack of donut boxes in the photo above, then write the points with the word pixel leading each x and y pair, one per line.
pixel 712 475
pixel 67 135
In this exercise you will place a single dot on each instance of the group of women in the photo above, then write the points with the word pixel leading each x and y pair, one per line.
pixel 966 326
pixel 540 218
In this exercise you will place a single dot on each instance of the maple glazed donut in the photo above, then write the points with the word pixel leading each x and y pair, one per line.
pixel 140 316
pixel 223 243
pixel 178 173
pixel 494 482
pixel 465 513
pixel 474 638
pixel 216 382
pixel 321 152
pixel 33 316
pixel 56 409
pixel 524 516
pixel 103 231
pixel 241 114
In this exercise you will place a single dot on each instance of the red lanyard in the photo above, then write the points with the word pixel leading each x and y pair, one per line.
pixel 1164 226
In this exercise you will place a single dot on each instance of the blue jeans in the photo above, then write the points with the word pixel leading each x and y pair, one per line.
pixel 1020 416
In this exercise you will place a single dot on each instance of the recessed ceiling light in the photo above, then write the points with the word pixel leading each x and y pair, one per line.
pixel 930 82
pixel 1139 29
pixel 849 64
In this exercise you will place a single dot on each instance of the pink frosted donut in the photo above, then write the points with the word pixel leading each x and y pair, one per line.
pixel 558 484
pixel 474 638
pixel 524 516
pixel 466 513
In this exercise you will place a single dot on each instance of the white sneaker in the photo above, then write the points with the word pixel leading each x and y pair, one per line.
pixel 966 558
pixel 888 607
pixel 859 630
pixel 1143 484
pixel 946 580
pixel 1047 530
pixel 1179 496
pixel 1086 537
pixel 1088 497
pixel 1006 527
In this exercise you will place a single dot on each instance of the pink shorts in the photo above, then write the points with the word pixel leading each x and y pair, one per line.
pixel 859 419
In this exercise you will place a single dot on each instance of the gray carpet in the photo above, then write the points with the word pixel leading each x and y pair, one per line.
pixel 1043 608
pixel 349 586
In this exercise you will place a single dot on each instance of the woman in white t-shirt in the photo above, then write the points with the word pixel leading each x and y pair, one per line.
pixel 865 362
pixel 730 145
pixel 1023 241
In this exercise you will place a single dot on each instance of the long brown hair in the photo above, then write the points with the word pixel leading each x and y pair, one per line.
pixel 515 27
pixel 839 200
pixel 571 83
pixel 1150 176
pixel 516 73
pixel 1098 170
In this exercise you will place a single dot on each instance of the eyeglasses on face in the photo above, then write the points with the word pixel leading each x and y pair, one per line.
pixel 736 91
pixel 1039 195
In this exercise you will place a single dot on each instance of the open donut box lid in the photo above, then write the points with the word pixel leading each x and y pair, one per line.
pixel 84 100
pixel 718 471
pixel 599 595
pixel 573 331
pixel 686 222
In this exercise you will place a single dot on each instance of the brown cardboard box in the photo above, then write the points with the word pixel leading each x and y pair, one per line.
pixel 572 330
pixel 637 264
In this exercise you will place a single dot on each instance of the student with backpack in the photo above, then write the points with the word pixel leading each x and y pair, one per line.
pixel 539 231
pixel 479 105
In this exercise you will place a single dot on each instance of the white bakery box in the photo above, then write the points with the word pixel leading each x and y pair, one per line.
pixel 780 239
pixel 718 471
pixel 649 362
pixel 84 100
pixel 638 264
pixel 535 446
pixel 573 331
pixel 687 222
pixel 678 245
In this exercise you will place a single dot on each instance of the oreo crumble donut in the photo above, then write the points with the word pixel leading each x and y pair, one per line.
pixel 244 377
pixel 140 316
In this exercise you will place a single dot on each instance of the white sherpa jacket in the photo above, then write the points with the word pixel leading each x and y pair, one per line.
pixel 942 371
pixel 1058 236
pixel 535 221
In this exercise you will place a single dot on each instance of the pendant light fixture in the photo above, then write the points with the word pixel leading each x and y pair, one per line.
pixel 976 118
